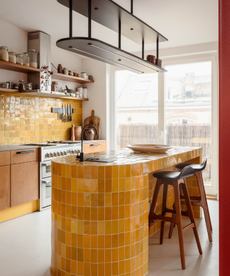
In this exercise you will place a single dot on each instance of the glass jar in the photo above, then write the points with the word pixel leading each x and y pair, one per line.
pixel 28 86
pixel 19 59
pixel 4 55
pixel 54 86
pixel 33 58
pixel 26 59
pixel 12 57
pixel 21 86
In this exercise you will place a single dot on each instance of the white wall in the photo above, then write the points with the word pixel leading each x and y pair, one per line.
pixel 96 92
pixel 16 41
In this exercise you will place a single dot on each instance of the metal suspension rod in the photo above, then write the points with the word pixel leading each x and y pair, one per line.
pixel 143 48
pixel 119 33
pixel 131 6
pixel 89 19
pixel 157 51
pixel 70 18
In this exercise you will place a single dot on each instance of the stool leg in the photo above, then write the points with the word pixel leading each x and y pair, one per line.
pixel 165 192
pixel 191 216
pixel 154 201
pixel 179 222
pixel 204 204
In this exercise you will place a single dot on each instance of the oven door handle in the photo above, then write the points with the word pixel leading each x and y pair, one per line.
pixel 46 182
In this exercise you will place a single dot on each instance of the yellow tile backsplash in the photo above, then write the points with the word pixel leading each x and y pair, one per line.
pixel 29 119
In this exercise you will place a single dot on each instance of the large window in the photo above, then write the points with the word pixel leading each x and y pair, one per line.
pixel 137 108
pixel 188 103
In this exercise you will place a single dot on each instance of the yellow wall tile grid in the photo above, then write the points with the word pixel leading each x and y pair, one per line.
pixel 29 119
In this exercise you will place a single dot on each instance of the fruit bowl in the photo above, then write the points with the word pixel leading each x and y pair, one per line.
pixel 149 148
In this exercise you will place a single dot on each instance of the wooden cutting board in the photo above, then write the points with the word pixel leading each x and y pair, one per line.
pixel 95 121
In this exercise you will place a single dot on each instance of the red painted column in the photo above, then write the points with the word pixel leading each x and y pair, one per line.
pixel 224 135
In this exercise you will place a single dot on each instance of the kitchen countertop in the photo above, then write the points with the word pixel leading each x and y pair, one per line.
pixel 128 157
pixel 22 147
pixel 16 147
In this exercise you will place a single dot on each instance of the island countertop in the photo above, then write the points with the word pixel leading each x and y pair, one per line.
pixel 100 210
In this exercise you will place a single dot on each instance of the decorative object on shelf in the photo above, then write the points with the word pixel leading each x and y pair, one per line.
pixel 159 62
pixel 76 133
pixel 85 93
pixel 19 59
pixel 70 72
pixel 65 71
pixel 94 121
pixel 45 79
pixel 12 57
pixel 59 69
pixel 33 58
pixel 26 59
pixel 111 15
pixel 84 75
pixel 54 86
pixel 151 58
pixel 91 78
pixel 4 55
pixel 28 86
pixel 21 86
pixel 89 133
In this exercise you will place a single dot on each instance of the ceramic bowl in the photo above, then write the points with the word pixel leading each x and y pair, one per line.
pixel 151 148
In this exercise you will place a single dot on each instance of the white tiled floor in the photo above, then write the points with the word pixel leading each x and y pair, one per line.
pixel 25 248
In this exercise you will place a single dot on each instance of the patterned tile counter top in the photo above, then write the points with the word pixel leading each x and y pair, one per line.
pixel 100 210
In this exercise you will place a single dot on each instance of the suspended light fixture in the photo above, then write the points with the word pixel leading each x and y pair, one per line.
pixel 116 18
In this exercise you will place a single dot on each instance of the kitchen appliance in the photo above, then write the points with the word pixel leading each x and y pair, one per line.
pixel 49 151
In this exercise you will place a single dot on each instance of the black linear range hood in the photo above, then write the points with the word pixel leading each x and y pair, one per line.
pixel 116 18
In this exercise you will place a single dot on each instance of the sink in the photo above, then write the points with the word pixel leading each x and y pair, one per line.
pixel 149 148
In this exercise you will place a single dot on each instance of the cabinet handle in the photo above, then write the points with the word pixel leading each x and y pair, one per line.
pixel 45 165
pixel 94 145
pixel 24 152
pixel 45 182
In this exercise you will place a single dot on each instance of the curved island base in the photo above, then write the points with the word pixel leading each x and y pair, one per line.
pixel 100 211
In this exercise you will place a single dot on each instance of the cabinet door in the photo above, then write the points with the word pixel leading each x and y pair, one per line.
pixel 4 187
pixel 24 183
pixel 95 147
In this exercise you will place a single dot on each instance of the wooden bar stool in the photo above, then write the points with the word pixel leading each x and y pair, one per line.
pixel 175 179
pixel 200 200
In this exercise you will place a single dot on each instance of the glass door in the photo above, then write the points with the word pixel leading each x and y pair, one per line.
pixel 188 109
pixel 136 108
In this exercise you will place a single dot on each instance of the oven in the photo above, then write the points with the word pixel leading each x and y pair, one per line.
pixel 45 169
pixel 47 154
pixel 46 192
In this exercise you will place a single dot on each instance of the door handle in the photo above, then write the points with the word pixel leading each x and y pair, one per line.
pixel 94 145
pixel 24 152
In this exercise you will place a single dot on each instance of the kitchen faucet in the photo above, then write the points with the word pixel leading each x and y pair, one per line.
pixel 82 134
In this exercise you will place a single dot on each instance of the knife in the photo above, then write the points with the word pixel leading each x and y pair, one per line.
pixel 68 113
pixel 63 113
pixel 71 111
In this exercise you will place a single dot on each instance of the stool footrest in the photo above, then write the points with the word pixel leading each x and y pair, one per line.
pixel 191 225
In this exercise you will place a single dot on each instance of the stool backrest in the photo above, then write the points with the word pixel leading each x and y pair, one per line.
pixel 186 172
pixel 203 165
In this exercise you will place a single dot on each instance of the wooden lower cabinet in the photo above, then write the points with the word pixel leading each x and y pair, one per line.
pixel 24 183
pixel 4 187
pixel 95 147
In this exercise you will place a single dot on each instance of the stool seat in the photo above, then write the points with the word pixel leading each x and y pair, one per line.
pixel 174 176
pixel 196 167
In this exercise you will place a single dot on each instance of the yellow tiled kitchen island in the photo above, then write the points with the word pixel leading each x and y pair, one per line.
pixel 100 210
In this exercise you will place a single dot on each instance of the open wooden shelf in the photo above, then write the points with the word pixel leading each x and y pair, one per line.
pixel 18 68
pixel 63 77
pixel 42 94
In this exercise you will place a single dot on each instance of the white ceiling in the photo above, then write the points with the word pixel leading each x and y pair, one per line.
pixel 183 22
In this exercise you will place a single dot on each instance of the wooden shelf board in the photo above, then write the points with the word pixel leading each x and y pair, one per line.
pixel 69 78
pixel 42 94
pixel 5 90
pixel 18 68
